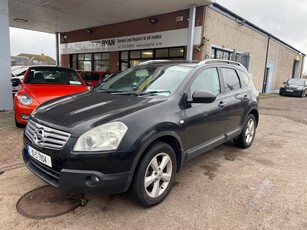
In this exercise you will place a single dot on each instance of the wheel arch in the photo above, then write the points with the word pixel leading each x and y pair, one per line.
pixel 169 137
pixel 256 115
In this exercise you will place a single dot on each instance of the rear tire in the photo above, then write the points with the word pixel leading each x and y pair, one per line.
pixel 154 175
pixel 246 138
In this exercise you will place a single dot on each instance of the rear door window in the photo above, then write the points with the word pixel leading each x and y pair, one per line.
pixel 244 78
pixel 231 79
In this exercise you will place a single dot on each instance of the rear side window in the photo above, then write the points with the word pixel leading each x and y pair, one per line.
pixel 231 79
pixel 244 78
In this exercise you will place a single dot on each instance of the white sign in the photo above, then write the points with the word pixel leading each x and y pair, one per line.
pixel 164 39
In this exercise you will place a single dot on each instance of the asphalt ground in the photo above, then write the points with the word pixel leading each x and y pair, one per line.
pixel 263 187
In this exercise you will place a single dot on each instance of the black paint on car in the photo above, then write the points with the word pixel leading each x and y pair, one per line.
pixel 294 87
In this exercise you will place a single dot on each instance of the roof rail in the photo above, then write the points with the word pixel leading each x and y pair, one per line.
pixel 167 61
pixel 209 61
pixel 152 61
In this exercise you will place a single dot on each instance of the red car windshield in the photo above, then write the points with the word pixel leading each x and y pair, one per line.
pixel 47 75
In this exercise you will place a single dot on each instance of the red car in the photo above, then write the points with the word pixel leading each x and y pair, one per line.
pixel 42 83
pixel 93 77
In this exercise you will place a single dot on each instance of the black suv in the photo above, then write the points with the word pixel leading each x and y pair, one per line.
pixel 136 131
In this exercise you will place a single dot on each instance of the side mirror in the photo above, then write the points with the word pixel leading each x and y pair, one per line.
pixel 15 81
pixel 87 83
pixel 203 96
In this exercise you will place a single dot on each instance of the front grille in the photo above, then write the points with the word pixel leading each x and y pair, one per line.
pixel 46 137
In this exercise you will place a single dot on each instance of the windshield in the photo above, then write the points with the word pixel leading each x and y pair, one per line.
pixel 47 75
pixel 293 81
pixel 141 79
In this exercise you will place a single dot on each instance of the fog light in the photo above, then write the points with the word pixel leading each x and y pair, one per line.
pixel 25 116
pixel 92 180
pixel 95 179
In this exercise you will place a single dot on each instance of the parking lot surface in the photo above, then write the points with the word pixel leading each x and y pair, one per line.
pixel 263 187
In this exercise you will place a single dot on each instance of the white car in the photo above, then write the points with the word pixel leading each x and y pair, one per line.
pixel 17 73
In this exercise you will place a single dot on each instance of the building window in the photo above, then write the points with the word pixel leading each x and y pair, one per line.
pixel 176 52
pixel 135 54
pixel 124 58
pixel 84 62
pixel 74 61
pixel 226 54
pixel 147 54
pixel 88 57
pixel 91 61
pixel 102 62
pixel 132 58
pixel 97 56
pixel 220 54
pixel 161 53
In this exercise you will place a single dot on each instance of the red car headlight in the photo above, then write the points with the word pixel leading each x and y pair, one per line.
pixel 25 99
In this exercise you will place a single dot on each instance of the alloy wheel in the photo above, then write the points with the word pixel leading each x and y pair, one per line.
pixel 158 175
pixel 250 131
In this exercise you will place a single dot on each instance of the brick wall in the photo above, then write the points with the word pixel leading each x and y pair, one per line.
pixel 65 62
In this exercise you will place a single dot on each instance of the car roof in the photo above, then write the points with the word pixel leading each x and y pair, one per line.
pixel 49 67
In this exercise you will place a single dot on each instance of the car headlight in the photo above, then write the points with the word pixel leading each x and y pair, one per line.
pixel 25 99
pixel 102 138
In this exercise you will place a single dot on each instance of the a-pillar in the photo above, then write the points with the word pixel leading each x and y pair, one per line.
pixel 6 102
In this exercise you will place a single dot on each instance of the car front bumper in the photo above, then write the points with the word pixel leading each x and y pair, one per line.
pixel 78 180
pixel 291 92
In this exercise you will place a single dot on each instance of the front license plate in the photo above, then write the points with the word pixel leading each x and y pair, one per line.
pixel 41 157
pixel 289 90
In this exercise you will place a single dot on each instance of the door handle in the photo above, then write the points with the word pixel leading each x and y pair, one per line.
pixel 221 104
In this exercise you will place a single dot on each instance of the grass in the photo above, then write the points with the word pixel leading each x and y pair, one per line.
pixel 266 95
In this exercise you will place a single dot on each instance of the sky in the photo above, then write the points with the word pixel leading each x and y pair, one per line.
pixel 33 42
pixel 284 19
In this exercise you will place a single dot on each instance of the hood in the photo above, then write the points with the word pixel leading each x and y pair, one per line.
pixel 42 93
pixel 90 109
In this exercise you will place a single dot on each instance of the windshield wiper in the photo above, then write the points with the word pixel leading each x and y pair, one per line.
pixel 117 92
pixel 125 93
pixel 109 90
pixel 153 92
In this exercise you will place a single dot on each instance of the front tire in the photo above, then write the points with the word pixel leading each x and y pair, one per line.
pixel 155 175
pixel 303 94
pixel 246 138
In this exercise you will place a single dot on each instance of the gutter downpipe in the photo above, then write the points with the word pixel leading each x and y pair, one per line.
pixel 265 64
pixel 191 33
pixel 302 64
